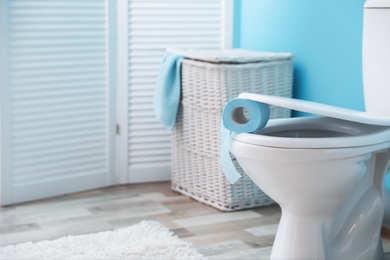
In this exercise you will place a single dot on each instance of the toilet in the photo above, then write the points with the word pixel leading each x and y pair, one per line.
pixel 327 176
pixel 327 171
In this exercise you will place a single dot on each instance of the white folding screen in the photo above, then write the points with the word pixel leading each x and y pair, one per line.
pixel 152 26
pixel 57 113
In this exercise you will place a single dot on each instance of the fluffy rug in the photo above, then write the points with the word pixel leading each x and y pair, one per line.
pixel 147 240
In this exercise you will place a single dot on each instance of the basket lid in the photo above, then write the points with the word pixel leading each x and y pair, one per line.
pixel 231 55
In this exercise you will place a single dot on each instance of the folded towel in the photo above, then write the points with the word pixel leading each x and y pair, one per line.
pixel 167 96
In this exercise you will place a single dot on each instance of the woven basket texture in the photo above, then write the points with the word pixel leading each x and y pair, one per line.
pixel 206 87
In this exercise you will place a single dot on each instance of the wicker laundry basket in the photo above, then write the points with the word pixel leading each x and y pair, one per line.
pixel 206 87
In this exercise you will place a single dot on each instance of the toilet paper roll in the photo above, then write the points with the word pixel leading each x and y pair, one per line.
pixel 235 120
pixel 228 168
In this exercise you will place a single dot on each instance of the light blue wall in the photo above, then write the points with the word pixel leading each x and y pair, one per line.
pixel 325 37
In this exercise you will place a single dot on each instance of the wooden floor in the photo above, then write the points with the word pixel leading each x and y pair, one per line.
pixel 247 234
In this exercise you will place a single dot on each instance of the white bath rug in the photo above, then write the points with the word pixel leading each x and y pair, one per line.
pixel 147 240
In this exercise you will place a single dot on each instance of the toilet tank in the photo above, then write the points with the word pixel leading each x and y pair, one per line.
pixel 376 56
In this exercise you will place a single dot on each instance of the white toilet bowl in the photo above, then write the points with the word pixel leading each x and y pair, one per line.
pixel 327 176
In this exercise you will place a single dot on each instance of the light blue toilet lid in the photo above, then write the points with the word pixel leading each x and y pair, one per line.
pixel 319 109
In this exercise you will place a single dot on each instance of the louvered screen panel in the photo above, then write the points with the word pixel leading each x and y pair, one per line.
pixel 58 135
pixel 155 25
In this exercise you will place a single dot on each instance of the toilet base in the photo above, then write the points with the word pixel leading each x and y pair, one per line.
pixel 310 244
pixel 320 237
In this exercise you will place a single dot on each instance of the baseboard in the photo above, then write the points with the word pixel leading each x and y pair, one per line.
pixel 149 174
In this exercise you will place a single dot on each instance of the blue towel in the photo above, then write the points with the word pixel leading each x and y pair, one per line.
pixel 167 96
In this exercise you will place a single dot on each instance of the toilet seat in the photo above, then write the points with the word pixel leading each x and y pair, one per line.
pixel 335 128
pixel 315 132
pixel 319 109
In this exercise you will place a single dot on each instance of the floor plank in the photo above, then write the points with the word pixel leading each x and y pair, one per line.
pixel 246 234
